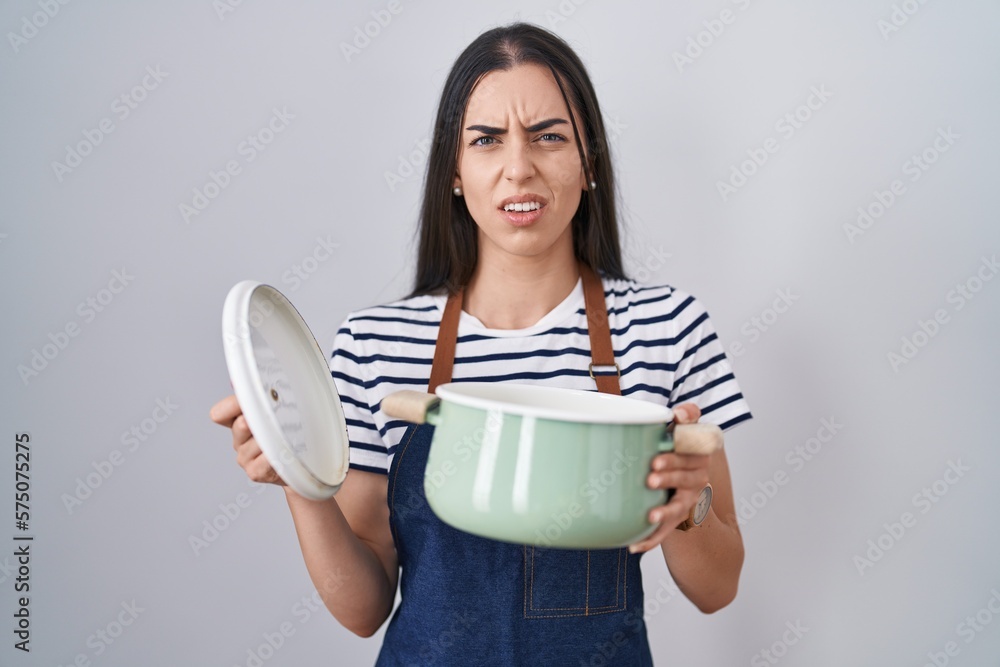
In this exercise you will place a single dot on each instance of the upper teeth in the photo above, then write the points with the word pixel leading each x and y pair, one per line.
pixel 523 206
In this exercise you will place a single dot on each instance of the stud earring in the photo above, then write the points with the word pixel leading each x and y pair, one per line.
pixel 593 185
pixel 458 192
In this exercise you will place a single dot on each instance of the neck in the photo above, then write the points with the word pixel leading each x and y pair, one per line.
pixel 515 292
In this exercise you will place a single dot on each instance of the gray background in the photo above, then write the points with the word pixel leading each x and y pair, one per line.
pixel 677 132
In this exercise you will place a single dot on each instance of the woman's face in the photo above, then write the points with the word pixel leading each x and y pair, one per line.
pixel 518 151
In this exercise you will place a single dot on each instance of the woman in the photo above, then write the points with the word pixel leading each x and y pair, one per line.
pixel 518 220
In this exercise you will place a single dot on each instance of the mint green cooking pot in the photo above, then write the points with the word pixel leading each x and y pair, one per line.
pixel 544 466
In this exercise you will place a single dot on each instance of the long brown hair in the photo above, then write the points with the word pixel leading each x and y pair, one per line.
pixel 448 245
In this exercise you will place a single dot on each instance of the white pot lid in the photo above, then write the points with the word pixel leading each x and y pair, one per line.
pixel 283 384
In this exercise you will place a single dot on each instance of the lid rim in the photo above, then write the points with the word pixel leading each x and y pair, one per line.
pixel 247 384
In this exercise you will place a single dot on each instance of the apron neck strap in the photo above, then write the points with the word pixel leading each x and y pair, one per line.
pixel 603 368
pixel 444 350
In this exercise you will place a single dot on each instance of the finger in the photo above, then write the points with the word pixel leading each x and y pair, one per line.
pixel 677 509
pixel 247 452
pixel 669 517
pixel 259 470
pixel 241 431
pixel 674 461
pixel 687 413
pixel 654 540
pixel 678 479
pixel 225 411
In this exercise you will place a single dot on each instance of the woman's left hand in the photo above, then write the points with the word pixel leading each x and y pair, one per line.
pixel 686 473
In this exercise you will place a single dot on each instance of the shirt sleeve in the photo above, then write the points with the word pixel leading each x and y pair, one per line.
pixel 703 375
pixel 367 449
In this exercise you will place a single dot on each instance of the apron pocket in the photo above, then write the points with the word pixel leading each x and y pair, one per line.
pixel 562 582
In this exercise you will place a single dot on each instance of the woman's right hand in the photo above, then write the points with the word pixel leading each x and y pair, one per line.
pixel 228 413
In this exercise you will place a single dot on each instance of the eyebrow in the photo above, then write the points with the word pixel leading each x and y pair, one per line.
pixel 537 127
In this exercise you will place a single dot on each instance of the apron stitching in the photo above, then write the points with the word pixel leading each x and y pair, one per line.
pixel 595 613
pixel 525 561
pixel 532 578
pixel 588 610
pixel 607 606
pixel 626 577
pixel 618 579
pixel 392 499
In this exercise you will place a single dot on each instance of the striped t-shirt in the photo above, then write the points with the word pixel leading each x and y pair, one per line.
pixel 664 344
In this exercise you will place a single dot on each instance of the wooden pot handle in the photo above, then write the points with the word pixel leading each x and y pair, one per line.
pixel 698 438
pixel 410 406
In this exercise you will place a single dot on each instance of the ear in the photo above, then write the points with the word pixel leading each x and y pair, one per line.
pixel 457 183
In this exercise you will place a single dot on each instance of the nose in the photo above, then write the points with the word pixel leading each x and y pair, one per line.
pixel 519 164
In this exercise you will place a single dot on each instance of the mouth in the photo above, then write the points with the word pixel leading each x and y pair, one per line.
pixel 523 210
pixel 525 206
